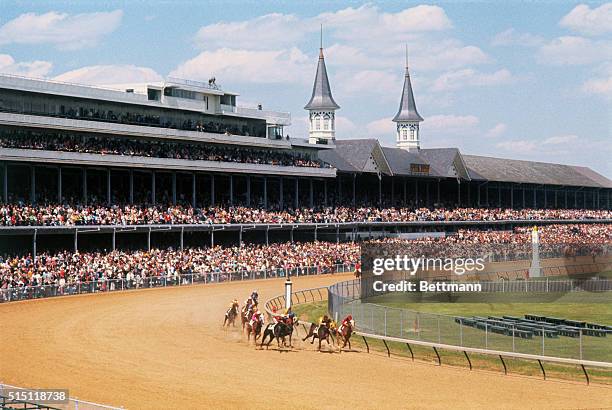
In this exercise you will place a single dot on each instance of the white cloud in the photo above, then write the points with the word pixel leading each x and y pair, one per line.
pixel 585 20
pixel 109 75
pixel 511 37
pixel 497 130
pixel 556 145
pixel 450 123
pixel 574 50
pixel 38 68
pixel 349 23
pixel 381 127
pixel 265 32
pixel 352 37
pixel 517 146
pixel 364 82
pixel 67 32
pixel 560 139
pixel 469 77
pixel 238 66
pixel 601 86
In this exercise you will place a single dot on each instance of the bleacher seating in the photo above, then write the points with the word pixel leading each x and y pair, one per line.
pixel 535 325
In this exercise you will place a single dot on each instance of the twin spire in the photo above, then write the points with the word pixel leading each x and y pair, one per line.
pixel 321 98
pixel 407 109
pixel 322 107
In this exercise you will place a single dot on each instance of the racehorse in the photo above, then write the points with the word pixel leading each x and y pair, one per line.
pixel 255 329
pixel 231 314
pixel 246 315
pixel 280 331
pixel 320 332
pixel 345 332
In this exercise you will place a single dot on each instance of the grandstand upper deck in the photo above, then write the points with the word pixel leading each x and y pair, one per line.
pixel 174 103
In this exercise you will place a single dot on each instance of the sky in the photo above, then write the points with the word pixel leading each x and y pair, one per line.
pixel 526 80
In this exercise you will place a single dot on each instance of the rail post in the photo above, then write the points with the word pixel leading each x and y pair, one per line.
pixel 411 352
pixel 580 345
pixel 288 288
pixel 468 359
pixel 366 343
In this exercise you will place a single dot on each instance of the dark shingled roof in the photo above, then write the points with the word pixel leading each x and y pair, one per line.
pixel 360 155
pixel 407 110
pixel 333 158
pixel 321 92
pixel 399 160
pixel 442 162
pixel 531 172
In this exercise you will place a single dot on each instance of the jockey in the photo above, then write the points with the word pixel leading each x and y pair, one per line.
pixel 346 322
pixel 325 321
pixel 234 302
pixel 248 304
pixel 254 296
pixel 257 317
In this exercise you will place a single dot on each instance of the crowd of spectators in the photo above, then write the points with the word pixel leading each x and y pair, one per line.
pixel 70 215
pixel 65 268
pixel 133 267
pixel 201 123
pixel 126 146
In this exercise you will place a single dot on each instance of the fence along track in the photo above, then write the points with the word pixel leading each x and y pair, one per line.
pixel 352 286
pixel 73 402
pixel 114 285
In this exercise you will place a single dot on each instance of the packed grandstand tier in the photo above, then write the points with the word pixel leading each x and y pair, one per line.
pixel 65 267
pixel 75 215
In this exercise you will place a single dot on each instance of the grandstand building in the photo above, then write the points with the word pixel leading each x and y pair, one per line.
pixel 190 143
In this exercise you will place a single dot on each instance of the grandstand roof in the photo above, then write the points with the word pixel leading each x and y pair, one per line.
pixel 531 172
pixel 445 162
pixel 399 160
pixel 368 156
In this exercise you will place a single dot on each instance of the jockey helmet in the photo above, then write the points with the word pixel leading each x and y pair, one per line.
pixel 349 317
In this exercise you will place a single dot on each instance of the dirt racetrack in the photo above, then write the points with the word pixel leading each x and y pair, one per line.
pixel 164 348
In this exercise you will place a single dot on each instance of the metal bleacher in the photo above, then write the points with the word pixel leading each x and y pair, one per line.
pixel 535 325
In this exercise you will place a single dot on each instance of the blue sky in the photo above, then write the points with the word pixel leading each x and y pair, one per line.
pixel 527 80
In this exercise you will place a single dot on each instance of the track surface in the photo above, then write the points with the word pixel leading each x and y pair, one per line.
pixel 164 348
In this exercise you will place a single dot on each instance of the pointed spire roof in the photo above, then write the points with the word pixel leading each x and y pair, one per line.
pixel 321 98
pixel 407 110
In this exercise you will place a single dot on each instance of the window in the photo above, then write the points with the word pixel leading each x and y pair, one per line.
pixel 404 134
pixel 326 124
pixel 412 134
pixel 318 123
